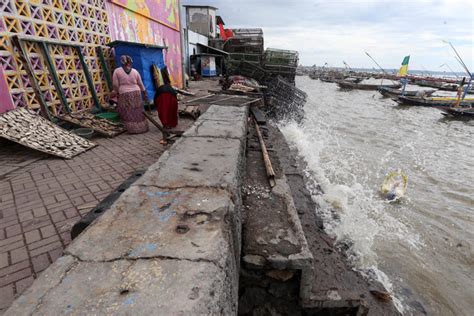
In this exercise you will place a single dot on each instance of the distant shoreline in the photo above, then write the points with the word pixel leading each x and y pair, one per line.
pixel 418 72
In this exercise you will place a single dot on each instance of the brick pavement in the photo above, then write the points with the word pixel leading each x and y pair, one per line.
pixel 41 197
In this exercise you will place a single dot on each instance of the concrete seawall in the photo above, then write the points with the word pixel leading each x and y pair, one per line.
pixel 169 245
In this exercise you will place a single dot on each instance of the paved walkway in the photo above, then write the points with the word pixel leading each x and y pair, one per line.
pixel 41 197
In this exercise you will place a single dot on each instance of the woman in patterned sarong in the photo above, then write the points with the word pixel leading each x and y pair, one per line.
pixel 128 86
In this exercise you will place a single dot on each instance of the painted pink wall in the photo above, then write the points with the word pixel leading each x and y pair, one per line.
pixel 130 26
pixel 165 11
pixel 6 102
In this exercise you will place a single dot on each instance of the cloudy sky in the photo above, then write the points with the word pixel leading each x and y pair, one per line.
pixel 335 30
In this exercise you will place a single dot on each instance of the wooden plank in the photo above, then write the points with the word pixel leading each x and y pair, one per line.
pixel 196 99
pixel 258 115
pixel 31 130
pixel 191 110
pixel 31 76
pixel 105 69
pixel 154 122
pixel 102 126
pixel 266 158
pixel 90 83
pixel 54 75
pixel 223 99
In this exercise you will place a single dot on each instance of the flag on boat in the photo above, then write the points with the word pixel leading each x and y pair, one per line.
pixel 404 68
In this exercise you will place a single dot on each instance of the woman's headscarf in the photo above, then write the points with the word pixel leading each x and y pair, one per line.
pixel 126 60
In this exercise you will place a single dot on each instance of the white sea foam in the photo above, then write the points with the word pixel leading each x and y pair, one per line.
pixel 352 212
pixel 420 248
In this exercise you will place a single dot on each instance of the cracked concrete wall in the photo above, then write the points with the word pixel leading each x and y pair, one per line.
pixel 169 245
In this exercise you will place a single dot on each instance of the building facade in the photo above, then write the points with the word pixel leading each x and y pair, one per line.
pixel 89 24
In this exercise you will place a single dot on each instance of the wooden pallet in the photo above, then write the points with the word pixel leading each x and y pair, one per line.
pixel 100 125
pixel 31 130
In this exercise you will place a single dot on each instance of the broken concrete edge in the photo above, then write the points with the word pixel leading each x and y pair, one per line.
pixel 334 299
pixel 53 279
pixel 298 261
pixel 121 283
pixel 149 222
pixel 305 258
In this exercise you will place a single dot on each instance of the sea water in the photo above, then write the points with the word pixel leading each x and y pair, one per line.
pixel 421 248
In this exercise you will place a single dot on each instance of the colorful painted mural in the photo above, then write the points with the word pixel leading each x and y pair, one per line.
pixel 80 22
pixel 127 25
pixel 162 11
pixel 88 23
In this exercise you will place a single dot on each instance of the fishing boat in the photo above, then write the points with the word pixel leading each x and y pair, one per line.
pixel 433 101
pixel 403 74
pixel 445 86
pixel 389 92
pixel 467 113
pixel 347 85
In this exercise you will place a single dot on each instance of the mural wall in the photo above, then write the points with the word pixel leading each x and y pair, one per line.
pixel 152 22
pixel 88 23
pixel 162 11
pixel 81 22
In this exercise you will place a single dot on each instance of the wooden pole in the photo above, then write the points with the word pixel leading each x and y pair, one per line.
pixel 266 158
pixel 105 69
pixel 152 120
pixel 31 76
pixel 90 83
pixel 196 99
pixel 54 75
pixel 460 91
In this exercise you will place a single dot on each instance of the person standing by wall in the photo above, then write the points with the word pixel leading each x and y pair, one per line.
pixel 166 103
pixel 128 86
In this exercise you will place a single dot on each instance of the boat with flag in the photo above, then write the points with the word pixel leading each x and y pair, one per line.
pixel 403 74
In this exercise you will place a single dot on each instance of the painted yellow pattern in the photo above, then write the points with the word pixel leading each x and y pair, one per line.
pixel 82 22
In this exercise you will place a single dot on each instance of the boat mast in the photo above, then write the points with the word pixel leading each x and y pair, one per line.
pixel 383 70
pixel 445 64
pixel 459 59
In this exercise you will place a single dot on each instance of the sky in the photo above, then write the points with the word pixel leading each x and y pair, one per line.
pixel 334 31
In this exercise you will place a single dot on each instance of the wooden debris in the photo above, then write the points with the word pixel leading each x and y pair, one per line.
pixel 191 110
pixel 266 158
pixel 241 88
pixel 16 41
pixel 184 92
pixel 154 122
pixel 258 115
pixel 29 129
pixel 196 99
pixel 100 125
